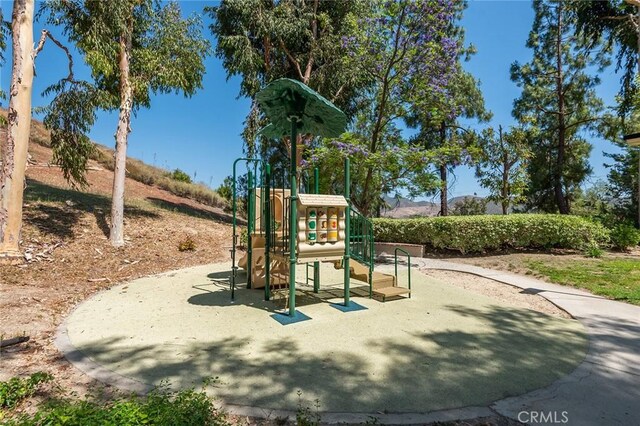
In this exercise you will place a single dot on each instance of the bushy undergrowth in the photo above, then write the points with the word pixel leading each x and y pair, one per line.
pixel 624 236
pixel 493 232
pixel 160 407
pixel 13 391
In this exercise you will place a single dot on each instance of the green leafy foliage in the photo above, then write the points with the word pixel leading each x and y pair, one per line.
pixel 470 206
pixel 69 118
pixel 17 389
pixel 184 408
pixel 593 249
pixel 167 51
pixel 502 166
pixel 606 24
pixel 558 103
pixel 180 176
pixel 226 188
pixel 307 416
pixel 3 34
pixel 263 41
pixel 487 233
pixel 624 236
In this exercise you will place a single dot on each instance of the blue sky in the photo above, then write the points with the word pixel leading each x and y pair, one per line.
pixel 200 135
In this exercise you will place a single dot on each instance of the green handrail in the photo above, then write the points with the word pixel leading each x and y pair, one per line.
pixel 395 255
pixel 361 242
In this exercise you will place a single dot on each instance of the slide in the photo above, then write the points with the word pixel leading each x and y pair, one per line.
pixel 279 270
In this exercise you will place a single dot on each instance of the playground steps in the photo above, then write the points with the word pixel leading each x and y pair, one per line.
pixel 391 292
pixel 384 285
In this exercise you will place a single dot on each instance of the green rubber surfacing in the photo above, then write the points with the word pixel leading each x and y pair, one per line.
pixel 443 348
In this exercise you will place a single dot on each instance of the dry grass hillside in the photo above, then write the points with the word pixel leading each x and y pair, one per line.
pixel 68 256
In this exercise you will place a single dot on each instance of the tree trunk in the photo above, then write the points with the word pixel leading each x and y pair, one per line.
pixel 365 204
pixel 122 133
pixel 506 168
pixel 637 26
pixel 15 147
pixel 561 199
pixel 444 197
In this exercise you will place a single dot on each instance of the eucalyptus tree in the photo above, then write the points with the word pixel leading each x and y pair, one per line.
pixel 135 48
pixel 262 41
pixel 558 104
pixel 14 148
pixel 502 168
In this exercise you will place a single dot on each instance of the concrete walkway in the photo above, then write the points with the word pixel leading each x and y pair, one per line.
pixel 406 361
pixel 605 388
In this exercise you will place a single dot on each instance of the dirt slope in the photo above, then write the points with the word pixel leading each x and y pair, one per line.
pixel 68 256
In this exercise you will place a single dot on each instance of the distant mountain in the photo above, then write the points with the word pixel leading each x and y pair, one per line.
pixel 404 207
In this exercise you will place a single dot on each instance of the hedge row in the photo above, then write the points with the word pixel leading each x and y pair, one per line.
pixel 492 232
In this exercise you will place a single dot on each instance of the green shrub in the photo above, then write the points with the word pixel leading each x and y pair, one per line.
pixel 492 232
pixel 180 176
pixel 593 249
pixel 188 244
pixel 469 206
pixel 160 408
pixel 16 389
pixel 624 237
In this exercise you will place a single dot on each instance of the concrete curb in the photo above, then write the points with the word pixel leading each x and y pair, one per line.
pixel 603 389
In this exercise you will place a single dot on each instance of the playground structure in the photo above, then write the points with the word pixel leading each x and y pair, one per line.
pixel 285 228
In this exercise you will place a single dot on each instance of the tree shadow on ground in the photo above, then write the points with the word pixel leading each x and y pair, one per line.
pixel 190 210
pixel 518 351
pixel 59 221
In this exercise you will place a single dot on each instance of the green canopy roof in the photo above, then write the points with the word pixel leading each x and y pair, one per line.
pixel 286 100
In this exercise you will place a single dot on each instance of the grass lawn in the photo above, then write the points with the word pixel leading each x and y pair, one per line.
pixel 614 278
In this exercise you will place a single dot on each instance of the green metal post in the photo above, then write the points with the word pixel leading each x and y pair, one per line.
pixel 267 242
pixel 250 225
pixel 293 220
pixel 316 265
pixel 371 258
pixel 234 268
pixel 347 225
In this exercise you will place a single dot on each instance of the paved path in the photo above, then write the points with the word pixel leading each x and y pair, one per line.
pixel 605 388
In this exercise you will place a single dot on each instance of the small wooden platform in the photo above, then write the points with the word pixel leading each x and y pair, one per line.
pixel 390 292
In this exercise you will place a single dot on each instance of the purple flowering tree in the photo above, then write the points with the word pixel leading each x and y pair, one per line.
pixel 408 51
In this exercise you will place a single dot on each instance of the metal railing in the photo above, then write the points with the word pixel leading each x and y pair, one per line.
pixel 361 245
pixel 395 255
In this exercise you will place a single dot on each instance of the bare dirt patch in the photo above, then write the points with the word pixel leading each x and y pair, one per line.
pixel 496 290
pixel 65 238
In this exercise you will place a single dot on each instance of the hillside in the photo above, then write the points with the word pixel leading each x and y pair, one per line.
pixel 68 256
pixel 406 208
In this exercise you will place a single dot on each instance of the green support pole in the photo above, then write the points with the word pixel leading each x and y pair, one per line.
pixel 267 242
pixel 234 268
pixel 347 225
pixel 316 265
pixel 250 226
pixel 293 220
